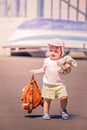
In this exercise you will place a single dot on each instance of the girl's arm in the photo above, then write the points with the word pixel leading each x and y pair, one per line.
pixel 38 71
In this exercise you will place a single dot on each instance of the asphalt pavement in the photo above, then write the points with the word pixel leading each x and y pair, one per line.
pixel 14 74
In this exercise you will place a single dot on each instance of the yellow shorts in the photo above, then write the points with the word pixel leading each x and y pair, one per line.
pixel 54 91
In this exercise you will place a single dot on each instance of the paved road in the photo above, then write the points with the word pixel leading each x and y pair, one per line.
pixel 14 75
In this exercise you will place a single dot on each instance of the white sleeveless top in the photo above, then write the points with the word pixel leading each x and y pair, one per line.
pixel 52 76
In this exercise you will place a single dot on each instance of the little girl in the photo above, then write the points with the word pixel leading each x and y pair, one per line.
pixel 53 79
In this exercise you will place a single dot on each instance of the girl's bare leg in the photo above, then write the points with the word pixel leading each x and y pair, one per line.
pixel 64 112
pixel 47 105
pixel 63 102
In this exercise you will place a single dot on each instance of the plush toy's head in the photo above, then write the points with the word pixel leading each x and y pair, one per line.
pixel 71 61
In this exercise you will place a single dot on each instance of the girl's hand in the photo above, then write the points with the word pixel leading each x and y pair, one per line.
pixel 37 71
pixel 68 68
pixel 65 69
pixel 33 72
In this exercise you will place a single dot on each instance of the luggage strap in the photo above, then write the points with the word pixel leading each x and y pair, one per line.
pixel 31 94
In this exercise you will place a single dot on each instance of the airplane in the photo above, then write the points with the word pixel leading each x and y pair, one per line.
pixel 31 37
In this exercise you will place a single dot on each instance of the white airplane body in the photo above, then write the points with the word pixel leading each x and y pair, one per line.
pixel 36 40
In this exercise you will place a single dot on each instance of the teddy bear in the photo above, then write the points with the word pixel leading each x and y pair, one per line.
pixel 67 62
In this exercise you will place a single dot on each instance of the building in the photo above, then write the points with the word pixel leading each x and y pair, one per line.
pixel 59 9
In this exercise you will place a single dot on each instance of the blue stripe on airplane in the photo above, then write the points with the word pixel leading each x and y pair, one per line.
pixel 47 37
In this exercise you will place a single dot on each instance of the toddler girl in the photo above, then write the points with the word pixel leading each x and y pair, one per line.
pixel 53 78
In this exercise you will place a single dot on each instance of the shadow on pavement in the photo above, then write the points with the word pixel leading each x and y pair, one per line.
pixel 59 117
pixel 33 116
pixel 71 117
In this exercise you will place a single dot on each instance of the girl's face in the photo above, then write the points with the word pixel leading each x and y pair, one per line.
pixel 54 52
